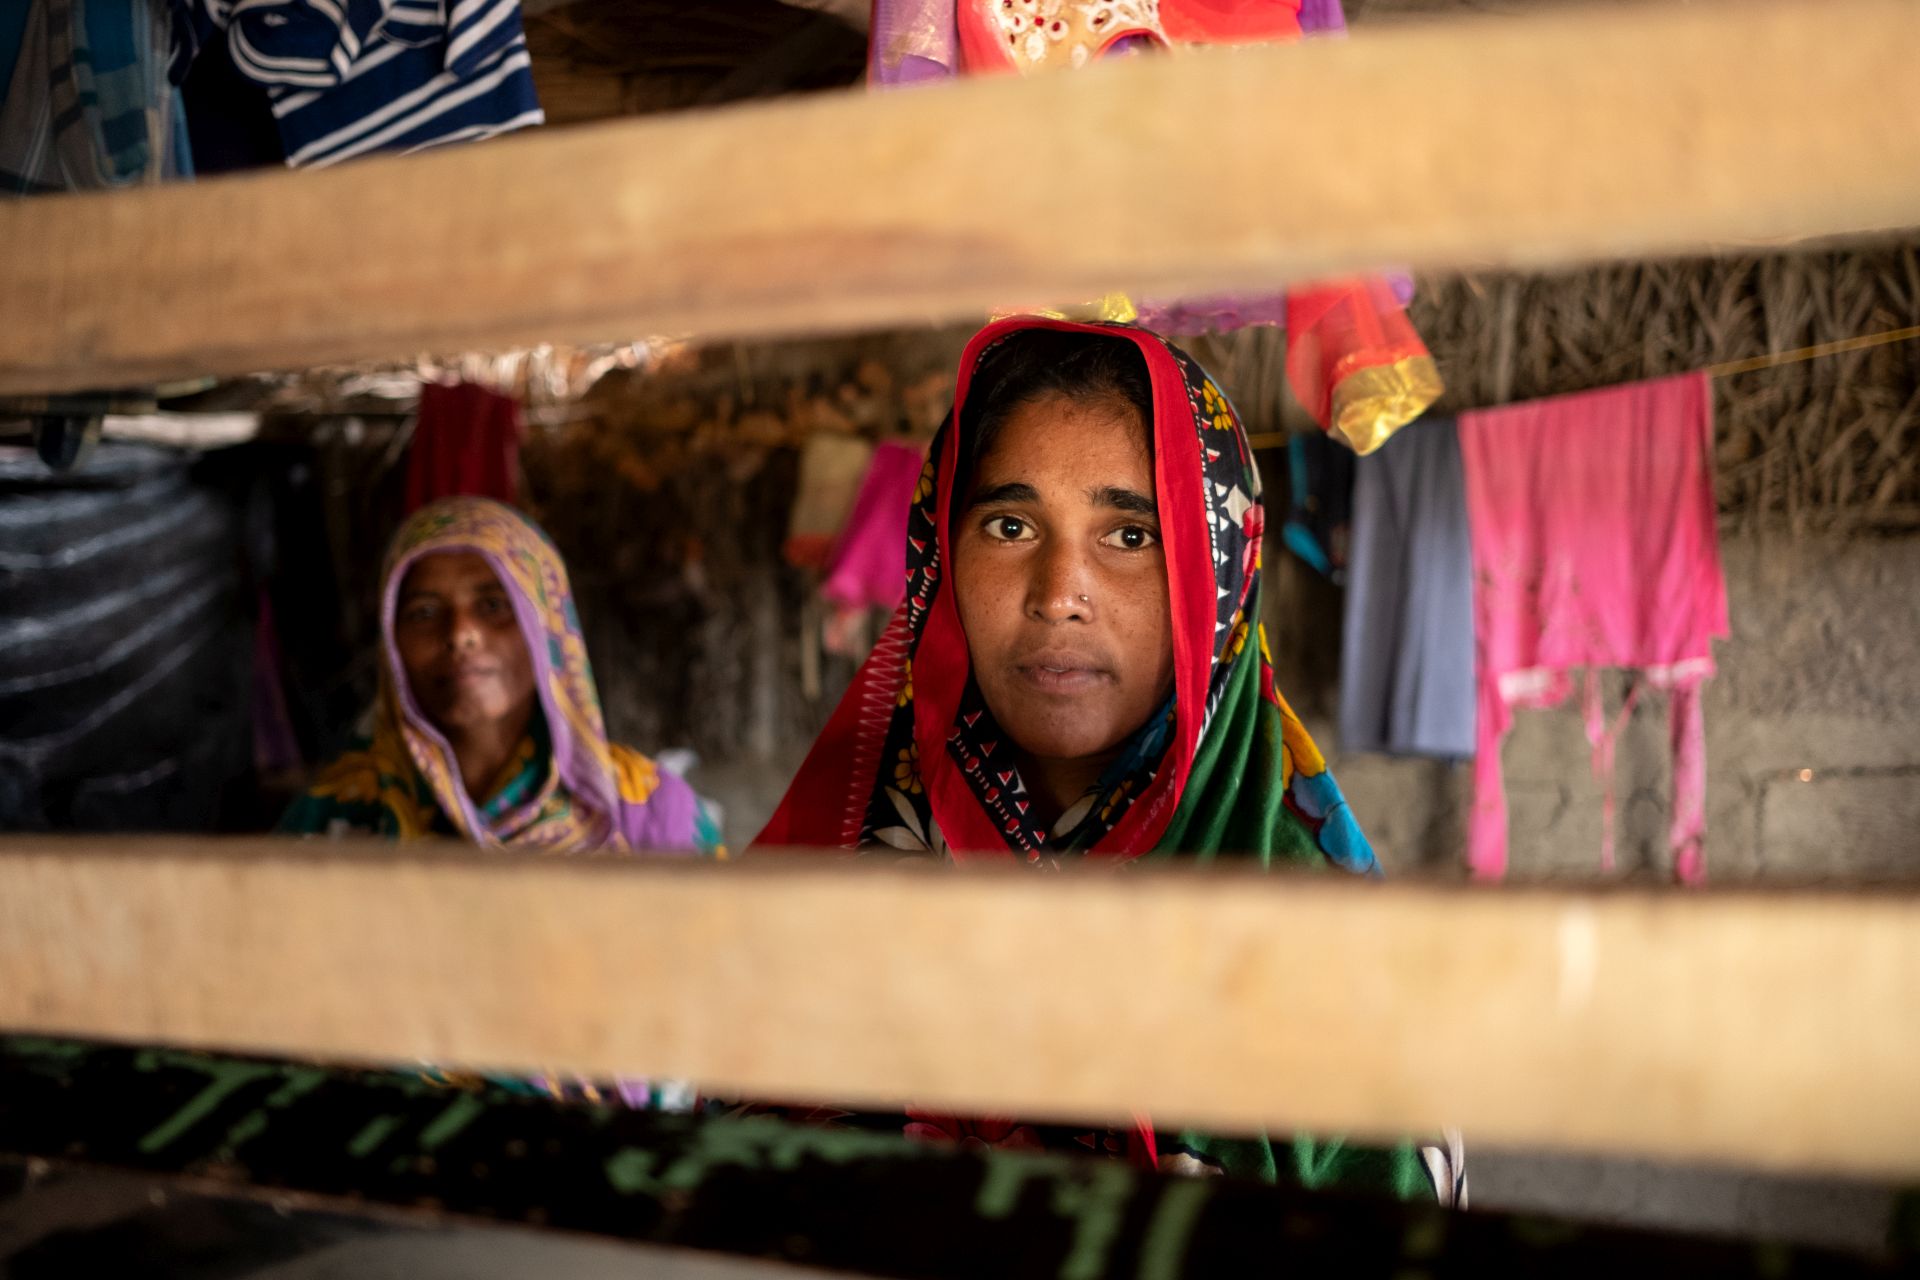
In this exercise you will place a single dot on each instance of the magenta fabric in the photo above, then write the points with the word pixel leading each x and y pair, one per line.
pixel 1595 545
pixel 1322 17
pixel 1223 313
pixel 868 566
pixel 1687 827
pixel 912 40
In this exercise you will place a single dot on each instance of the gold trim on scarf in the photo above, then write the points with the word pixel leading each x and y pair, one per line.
pixel 1115 307
pixel 1370 404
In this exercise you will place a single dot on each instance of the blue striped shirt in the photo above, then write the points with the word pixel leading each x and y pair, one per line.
pixel 351 77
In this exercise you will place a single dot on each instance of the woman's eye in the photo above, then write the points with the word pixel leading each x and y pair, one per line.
pixel 494 607
pixel 1006 528
pixel 418 613
pixel 1131 538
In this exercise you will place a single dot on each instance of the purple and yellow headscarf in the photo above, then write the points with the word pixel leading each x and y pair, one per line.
pixel 568 789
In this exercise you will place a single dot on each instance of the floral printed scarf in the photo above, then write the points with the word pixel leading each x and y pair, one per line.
pixel 913 759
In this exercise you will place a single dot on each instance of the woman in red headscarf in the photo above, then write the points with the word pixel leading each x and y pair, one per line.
pixel 1079 673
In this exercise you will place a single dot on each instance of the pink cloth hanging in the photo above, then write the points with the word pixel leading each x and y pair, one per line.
pixel 868 565
pixel 1595 545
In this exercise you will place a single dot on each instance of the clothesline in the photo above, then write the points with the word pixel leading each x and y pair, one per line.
pixel 1860 342
pixel 1725 369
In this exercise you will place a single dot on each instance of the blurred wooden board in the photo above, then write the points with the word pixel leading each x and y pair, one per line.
pixel 1773 1029
pixel 1550 138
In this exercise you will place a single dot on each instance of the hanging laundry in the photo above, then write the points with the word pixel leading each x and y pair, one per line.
pixel 1035 35
pixel 1354 360
pixel 867 569
pixel 229 117
pixel 1319 504
pixel 1406 659
pixel 364 76
pixel 466 441
pixel 915 40
pixel 832 468
pixel 1595 545
pixel 89 100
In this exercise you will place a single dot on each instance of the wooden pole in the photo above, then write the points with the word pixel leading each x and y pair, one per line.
pixel 1773 1029
pixel 1549 139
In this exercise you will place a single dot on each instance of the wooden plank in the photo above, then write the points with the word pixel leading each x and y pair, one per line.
pixel 1552 138
pixel 1773 1029
pixel 861 1202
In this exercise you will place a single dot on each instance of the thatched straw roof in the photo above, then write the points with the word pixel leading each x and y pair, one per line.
pixel 1824 443
pixel 598 58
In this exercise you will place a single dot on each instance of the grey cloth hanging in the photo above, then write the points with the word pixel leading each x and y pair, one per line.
pixel 1406 662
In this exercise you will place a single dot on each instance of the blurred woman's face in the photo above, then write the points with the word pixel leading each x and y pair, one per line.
pixel 466 660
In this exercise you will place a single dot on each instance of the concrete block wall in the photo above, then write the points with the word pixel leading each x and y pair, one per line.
pixel 1813 732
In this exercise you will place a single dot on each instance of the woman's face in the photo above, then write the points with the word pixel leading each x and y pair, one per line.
pixel 460 643
pixel 1061 579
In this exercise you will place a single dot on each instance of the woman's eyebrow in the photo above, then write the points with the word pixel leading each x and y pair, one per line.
pixel 1129 500
pixel 1015 492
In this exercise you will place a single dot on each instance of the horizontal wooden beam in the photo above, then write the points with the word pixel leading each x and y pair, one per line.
pixel 1547 139
pixel 1772 1029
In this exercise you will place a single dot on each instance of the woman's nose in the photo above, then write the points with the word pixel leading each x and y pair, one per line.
pixel 1061 586
pixel 465 633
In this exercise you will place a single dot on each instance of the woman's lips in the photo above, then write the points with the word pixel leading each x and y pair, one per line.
pixel 1062 673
